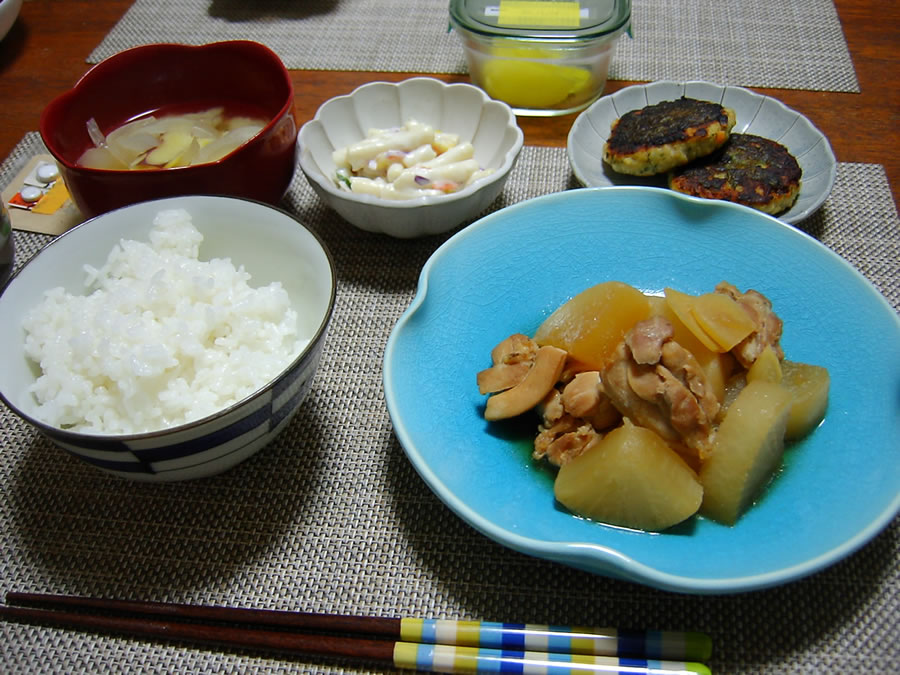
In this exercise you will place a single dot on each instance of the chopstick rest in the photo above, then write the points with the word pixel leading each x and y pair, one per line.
pixel 423 644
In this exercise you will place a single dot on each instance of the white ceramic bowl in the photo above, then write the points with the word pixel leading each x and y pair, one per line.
pixel 9 11
pixel 269 243
pixel 454 108
pixel 756 114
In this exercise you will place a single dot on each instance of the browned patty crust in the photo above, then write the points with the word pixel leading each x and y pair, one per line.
pixel 660 137
pixel 749 169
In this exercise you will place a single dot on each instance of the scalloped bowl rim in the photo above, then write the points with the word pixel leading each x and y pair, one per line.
pixel 313 171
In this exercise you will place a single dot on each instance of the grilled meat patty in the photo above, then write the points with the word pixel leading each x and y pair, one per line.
pixel 749 169
pixel 660 137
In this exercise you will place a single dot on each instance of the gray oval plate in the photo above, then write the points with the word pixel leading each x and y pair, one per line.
pixel 756 114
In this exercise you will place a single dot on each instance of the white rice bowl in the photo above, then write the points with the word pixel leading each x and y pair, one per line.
pixel 159 338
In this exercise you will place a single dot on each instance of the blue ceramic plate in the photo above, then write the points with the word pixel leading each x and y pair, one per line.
pixel 508 271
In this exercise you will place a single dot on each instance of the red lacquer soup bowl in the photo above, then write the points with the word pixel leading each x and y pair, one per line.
pixel 243 77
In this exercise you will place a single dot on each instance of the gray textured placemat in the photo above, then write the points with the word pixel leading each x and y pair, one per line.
pixel 332 517
pixel 796 44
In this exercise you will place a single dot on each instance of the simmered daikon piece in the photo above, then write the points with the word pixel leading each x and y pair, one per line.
pixel 715 319
pixel 809 387
pixel 717 366
pixel 682 305
pixel 722 319
pixel 226 144
pixel 592 324
pixel 630 478
pixel 766 367
pixel 747 450
pixel 101 158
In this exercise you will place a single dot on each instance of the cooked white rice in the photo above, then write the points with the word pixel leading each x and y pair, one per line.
pixel 160 338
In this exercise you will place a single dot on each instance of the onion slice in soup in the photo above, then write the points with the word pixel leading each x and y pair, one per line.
pixel 168 141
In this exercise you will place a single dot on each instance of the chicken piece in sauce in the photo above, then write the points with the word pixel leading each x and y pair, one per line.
pixel 658 384
pixel 768 325
pixel 512 359
pixel 573 416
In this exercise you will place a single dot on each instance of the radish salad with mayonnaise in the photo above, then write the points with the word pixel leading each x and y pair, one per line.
pixel 407 162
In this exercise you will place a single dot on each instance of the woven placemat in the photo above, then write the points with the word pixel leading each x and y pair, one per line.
pixel 797 45
pixel 332 517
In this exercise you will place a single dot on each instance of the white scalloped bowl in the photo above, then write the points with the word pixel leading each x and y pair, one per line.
pixel 9 12
pixel 756 114
pixel 454 108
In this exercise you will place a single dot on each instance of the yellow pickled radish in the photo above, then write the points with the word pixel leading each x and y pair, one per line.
pixel 513 78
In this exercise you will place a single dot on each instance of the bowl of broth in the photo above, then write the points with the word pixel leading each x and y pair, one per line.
pixel 164 120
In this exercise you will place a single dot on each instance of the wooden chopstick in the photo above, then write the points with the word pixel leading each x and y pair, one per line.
pixel 404 643
pixel 220 635
pixel 334 623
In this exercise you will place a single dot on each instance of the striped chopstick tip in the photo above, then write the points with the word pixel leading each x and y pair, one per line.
pixel 458 659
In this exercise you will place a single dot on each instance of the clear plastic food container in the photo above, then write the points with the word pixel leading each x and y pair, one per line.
pixel 542 57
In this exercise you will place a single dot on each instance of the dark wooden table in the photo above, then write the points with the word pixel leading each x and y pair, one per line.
pixel 46 51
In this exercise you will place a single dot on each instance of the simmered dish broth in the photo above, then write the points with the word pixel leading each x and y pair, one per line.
pixel 654 409
pixel 166 140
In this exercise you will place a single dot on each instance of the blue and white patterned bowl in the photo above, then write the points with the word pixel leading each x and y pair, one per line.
pixel 271 245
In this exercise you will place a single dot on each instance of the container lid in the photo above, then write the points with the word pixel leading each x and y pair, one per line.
pixel 542 19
